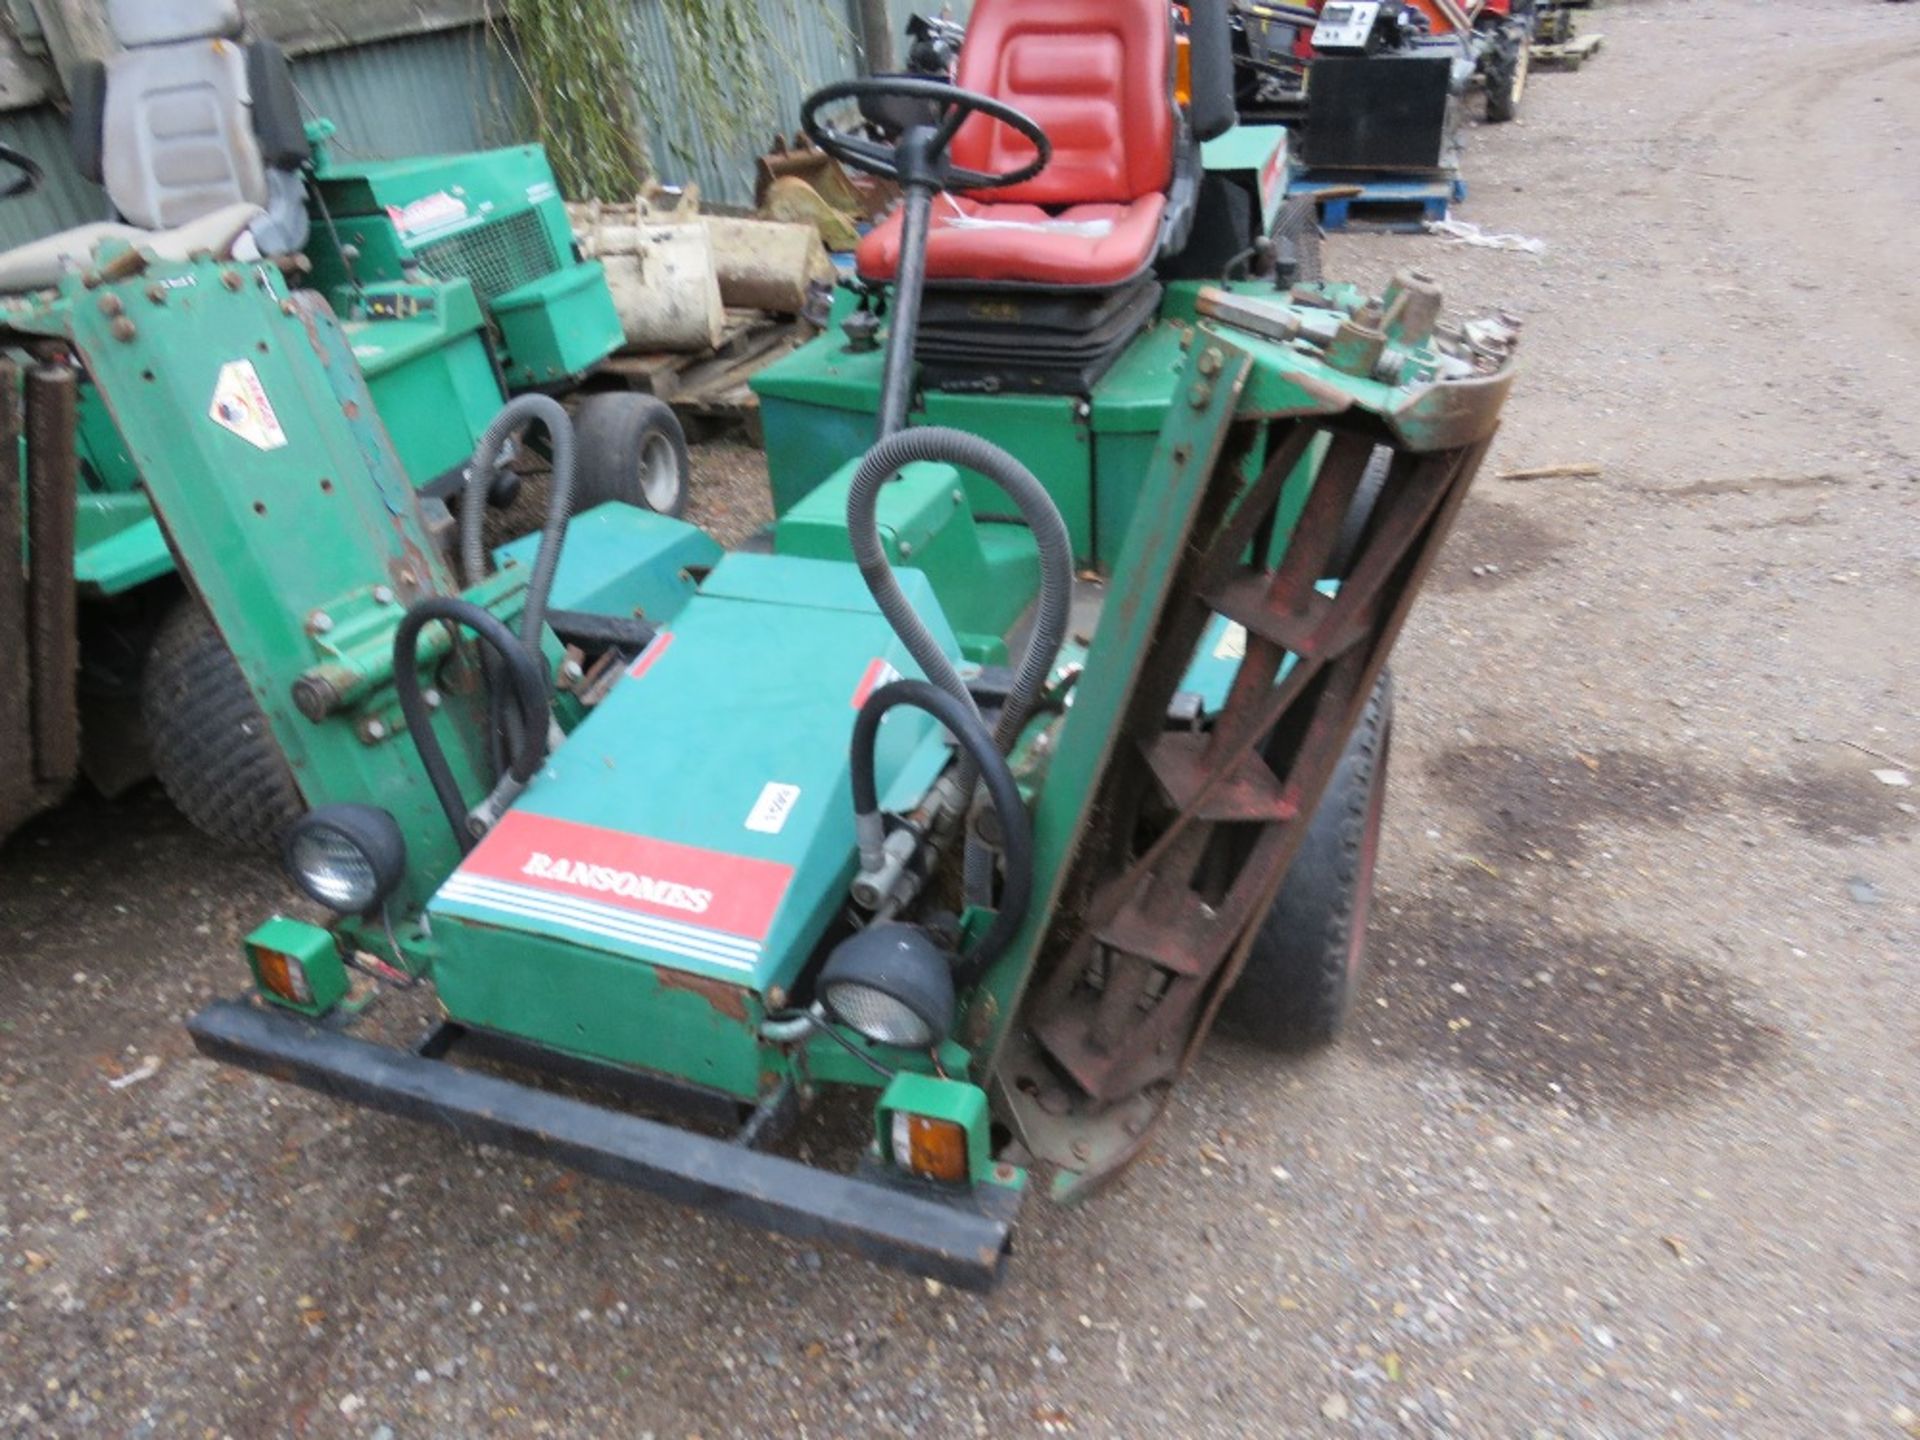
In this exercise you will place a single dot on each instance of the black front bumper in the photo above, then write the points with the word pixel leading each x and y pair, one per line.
pixel 961 1241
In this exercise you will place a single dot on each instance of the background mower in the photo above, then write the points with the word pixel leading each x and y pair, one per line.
pixel 458 283
pixel 961 816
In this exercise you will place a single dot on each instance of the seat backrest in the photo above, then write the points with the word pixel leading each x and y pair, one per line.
pixel 1097 75
pixel 177 139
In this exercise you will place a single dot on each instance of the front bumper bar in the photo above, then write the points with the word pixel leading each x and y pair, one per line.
pixel 960 1242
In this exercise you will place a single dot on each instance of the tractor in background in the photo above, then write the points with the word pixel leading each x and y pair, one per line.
pixel 458 283
pixel 978 792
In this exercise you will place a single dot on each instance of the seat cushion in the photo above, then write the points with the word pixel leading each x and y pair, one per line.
pixel 178 135
pixel 1092 246
pixel 1096 75
pixel 39 264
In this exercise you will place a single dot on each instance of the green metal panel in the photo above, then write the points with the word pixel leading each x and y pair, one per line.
pixel 1257 153
pixel 984 575
pixel 422 350
pixel 1046 433
pixel 582 1000
pixel 806 442
pixel 696 831
pixel 557 327
pixel 619 560
pixel 119 546
pixel 494 218
pixel 107 465
pixel 258 442
pixel 413 205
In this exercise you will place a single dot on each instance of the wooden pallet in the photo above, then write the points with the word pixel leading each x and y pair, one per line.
pixel 712 385
pixel 1373 202
pixel 1572 55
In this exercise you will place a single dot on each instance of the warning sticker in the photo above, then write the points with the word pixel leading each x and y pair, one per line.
pixel 770 811
pixel 240 404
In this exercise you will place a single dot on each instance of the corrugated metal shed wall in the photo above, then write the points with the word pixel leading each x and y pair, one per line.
pixel 812 45
pixel 457 90
pixel 63 198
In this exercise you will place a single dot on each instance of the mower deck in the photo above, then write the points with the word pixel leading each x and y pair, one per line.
pixel 962 1240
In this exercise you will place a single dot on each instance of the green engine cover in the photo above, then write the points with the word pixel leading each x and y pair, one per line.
pixel 679 859
pixel 493 218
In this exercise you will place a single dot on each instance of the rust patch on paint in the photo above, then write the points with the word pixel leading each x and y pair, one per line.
pixel 727 1000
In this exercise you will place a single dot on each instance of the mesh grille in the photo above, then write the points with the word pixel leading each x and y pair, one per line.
pixel 496 257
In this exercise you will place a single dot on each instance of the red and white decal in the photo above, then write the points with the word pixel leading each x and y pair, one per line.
pixel 656 647
pixel 1274 170
pixel 877 673
pixel 429 212
pixel 701 904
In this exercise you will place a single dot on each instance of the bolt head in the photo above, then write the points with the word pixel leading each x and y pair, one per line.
pixel 431 699
pixel 320 622
pixel 382 595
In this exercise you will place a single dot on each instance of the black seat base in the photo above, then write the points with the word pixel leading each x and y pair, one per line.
pixel 1028 339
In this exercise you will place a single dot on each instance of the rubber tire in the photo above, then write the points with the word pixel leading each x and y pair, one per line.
pixel 612 433
pixel 1309 955
pixel 1353 525
pixel 1507 76
pixel 213 751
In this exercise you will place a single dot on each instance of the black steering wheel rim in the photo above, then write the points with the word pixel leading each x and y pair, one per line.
pixel 959 105
pixel 29 178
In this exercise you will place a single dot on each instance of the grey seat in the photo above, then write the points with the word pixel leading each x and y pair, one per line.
pixel 196 137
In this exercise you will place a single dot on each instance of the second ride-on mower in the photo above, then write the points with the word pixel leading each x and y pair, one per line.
pixel 459 284
pixel 940 801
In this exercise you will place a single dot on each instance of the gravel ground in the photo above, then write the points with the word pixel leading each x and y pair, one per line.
pixel 1622 1142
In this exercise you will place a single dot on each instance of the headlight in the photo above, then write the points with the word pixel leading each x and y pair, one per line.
pixel 347 857
pixel 892 984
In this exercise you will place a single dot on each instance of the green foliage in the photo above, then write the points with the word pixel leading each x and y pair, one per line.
pixel 573 58
pixel 720 50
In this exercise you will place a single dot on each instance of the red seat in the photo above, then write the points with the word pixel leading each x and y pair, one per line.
pixel 1097 76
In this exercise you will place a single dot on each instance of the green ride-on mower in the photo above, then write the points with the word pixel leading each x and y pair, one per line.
pixel 977 796
pixel 458 283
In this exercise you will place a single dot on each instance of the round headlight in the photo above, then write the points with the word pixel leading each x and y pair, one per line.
pixel 347 857
pixel 892 984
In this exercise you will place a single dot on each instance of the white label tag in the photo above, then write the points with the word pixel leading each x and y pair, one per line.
pixel 1233 643
pixel 770 811
pixel 240 404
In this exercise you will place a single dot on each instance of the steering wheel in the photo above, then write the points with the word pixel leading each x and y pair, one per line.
pixel 27 181
pixel 920 155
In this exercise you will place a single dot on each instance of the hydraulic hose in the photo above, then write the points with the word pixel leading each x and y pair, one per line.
pixel 1016 830
pixel 970 452
pixel 515 415
pixel 526 677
